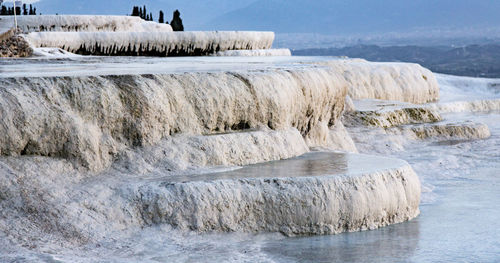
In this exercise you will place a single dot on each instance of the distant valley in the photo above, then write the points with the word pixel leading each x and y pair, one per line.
pixel 471 60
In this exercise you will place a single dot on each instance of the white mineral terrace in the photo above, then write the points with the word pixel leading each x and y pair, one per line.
pixel 387 114
pixel 317 193
pixel 98 149
pixel 119 143
pixel 94 65
pixel 85 23
pixel 414 121
pixel 255 53
pixel 189 43
pixel 389 81
pixel 133 36
pixel 381 80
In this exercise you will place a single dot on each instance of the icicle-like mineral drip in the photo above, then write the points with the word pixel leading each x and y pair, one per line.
pixel 157 44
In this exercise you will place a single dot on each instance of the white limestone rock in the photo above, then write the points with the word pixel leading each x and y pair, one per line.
pixel 403 82
pixel 488 105
pixel 335 138
pixel 448 130
pixel 184 153
pixel 340 139
pixel 90 120
pixel 86 23
pixel 162 43
pixel 319 193
pixel 52 53
pixel 388 114
pixel 255 53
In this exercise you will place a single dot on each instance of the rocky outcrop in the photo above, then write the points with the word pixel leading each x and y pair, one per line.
pixel 6 33
pixel 15 47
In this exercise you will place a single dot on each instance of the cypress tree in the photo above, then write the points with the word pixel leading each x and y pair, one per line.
pixel 34 11
pixel 135 11
pixel 151 17
pixel 144 13
pixel 31 10
pixel 25 10
pixel 161 20
pixel 3 11
pixel 176 22
pixel 140 12
pixel 18 10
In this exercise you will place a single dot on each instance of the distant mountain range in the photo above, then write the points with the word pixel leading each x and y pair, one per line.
pixel 472 60
pixel 359 16
pixel 293 16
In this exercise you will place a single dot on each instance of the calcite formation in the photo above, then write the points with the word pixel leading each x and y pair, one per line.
pixel 147 44
pixel 388 114
pixel 90 120
pixel 85 158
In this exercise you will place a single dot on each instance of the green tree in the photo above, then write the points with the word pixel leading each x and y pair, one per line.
pixel 161 19
pixel 135 11
pixel 176 22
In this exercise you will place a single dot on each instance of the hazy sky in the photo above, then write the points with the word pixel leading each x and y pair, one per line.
pixel 302 16
pixel 194 12
pixel 24 2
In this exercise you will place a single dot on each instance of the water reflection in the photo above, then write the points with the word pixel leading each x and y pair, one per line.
pixel 310 164
pixel 395 243
pixel 307 165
